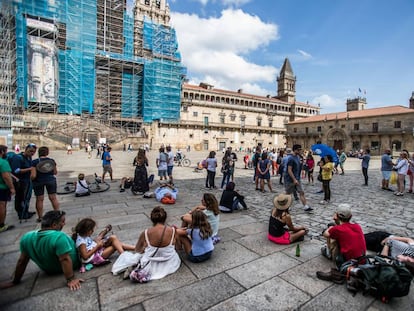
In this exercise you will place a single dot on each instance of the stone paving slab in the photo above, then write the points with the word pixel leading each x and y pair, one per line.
pixel 246 272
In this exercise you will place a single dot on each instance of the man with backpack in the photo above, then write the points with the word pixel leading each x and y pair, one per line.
pixel 21 166
pixel 345 241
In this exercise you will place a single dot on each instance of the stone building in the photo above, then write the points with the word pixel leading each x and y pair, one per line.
pixel 213 119
pixel 357 128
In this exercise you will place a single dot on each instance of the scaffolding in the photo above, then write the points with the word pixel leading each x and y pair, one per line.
pixel 7 65
pixel 81 57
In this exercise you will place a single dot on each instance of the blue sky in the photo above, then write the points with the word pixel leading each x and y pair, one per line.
pixel 336 47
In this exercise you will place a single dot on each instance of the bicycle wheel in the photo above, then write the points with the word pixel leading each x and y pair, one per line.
pixel 67 188
pixel 186 162
pixel 99 187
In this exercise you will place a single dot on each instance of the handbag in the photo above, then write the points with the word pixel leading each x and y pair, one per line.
pixel 140 274
pixel 393 178
pixel 124 261
pixel 319 177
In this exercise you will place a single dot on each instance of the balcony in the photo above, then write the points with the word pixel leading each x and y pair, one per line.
pixel 382 131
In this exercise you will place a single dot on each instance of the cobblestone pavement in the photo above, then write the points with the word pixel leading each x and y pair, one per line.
pixel 246 272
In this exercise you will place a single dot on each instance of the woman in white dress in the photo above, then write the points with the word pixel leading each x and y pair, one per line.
pixel 158 247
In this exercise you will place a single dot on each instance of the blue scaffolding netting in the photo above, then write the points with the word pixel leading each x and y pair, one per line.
pixel 152 92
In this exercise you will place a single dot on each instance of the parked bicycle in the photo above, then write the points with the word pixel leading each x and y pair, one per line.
pixel 97 186
pixel 183 161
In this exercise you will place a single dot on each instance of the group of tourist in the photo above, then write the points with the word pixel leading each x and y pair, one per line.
pixel 19 175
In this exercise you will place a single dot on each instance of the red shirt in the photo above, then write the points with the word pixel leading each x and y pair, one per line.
pixel 350 238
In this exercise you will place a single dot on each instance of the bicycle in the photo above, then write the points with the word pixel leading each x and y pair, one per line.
pixel 97 186
pixel 183 161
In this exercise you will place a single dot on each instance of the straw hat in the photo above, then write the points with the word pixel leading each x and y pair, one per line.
pixel 282 201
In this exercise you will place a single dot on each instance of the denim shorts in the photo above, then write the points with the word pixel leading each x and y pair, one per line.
pixel 199 258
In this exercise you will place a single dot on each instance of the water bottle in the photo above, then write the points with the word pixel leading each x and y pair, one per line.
pixel 297 250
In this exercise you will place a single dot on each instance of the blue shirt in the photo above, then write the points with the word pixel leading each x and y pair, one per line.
pixel 365 160
pixel 294 162
pixel 199 246
pixel 105 155
pixel 386 162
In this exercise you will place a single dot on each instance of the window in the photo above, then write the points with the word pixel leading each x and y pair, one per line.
pixel 147 2
pixel 259 122
pixel 319 129
pixel 397 124
pixel 158 4
pixel 356 145
pixel 233 117
pixel 343 126
pixel 375 127
pixel 185 108
pixel 195 114
pixel 295 130
pixel 356 127
pixel 374 145
pixel 222 117
pixel 270 123
pixel 306 130
pixel 205 121
pixel 191 135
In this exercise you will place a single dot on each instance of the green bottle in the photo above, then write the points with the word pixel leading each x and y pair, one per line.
pixel 297 250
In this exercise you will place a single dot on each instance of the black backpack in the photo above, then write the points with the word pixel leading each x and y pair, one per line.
pixel 379 276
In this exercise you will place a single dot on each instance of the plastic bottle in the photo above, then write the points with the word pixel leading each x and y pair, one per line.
pixel 297 250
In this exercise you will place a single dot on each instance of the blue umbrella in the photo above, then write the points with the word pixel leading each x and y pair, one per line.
pixel 324 150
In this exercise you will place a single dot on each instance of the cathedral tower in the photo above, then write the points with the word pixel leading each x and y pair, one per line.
pixel 286 83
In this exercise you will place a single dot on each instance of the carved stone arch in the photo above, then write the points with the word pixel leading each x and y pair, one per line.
pixel 336 138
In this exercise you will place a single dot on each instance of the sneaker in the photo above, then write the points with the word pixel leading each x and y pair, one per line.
pixel 307 208
pixel 122 190
pixel 323 202
pixel 320 191
pixel 325 252
pixel 6 227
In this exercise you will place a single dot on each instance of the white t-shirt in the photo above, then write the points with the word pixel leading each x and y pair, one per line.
pixel 170 158
pixel 82 186
pixel 90 244
pixel 211 164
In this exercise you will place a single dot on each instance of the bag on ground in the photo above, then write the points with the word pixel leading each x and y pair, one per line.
pixel 379 276
pixel 373 240
pixel 124 261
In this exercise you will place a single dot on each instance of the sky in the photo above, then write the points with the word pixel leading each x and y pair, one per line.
pixel 338 49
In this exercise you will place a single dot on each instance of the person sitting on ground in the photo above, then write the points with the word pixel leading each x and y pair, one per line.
pixel 82 187
pixel 281 228
pixel 196 240
pixel 157 244
pixel 230 199
pixel 51 249
pixel 166 194
pixel 345 241
pixel 126 183
pixel 96 251
pixel 210 207
pixel 398 247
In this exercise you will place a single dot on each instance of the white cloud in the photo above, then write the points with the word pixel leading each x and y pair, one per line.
pixel 219 47
pixel 236 3
pixel 328 103
pixel 305 55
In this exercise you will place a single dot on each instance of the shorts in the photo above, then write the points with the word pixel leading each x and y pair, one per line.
pixel 39 188
pixel 5 195
pixel 283 239
pixel 128 184
pixel 291 187
pixel 162 173
pixel 199 258
pixel 169 170
pixel 386 175
pixel 107 168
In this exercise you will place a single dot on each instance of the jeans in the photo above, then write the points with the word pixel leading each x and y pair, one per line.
pixel 226 179
pixel 326 190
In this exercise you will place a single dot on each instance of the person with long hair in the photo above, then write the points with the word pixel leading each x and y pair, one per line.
pixel 210 207
pixel 196 240
pixel 97 250
pixel 140 184
pixel 402 168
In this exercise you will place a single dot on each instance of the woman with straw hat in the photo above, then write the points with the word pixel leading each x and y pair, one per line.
pixel 281 228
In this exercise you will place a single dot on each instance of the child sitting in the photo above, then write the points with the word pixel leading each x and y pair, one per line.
pixel 197 240
pixel 82 187
pixel 96 251
pixel 280 218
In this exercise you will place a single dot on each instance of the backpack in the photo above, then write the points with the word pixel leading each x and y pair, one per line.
pixel 9 157
pixel 373 240
pixel 379 276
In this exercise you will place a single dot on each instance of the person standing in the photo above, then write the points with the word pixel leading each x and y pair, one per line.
pixel 211 170
pixel 327 171
pixel 44 178
pixel 292 176
pixel 6 188
pixel 106 163
pixel 233 157
pixel 21 165
pixel 161 163
pixel 410 172
pixel 51 249
pixel 263 167
pixel 342 159
pixel 170 164
pixel 226 168
pixel 386 169
pixel 310 162
pixel 402 167
pixel 365 157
